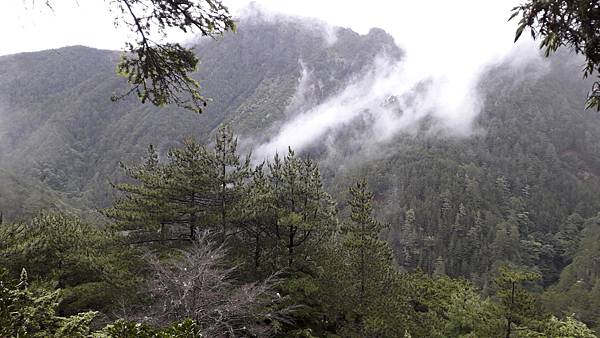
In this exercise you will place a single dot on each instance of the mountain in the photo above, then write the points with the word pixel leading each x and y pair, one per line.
pixel 59 130
pixel 518 188
pixel 507 193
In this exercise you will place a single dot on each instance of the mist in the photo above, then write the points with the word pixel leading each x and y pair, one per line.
pixel 446 52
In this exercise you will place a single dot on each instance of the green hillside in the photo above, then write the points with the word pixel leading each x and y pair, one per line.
pixel 506 193
pixel 523 189
pixel 59 126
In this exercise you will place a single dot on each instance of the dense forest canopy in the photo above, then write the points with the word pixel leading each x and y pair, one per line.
pixel 118 221
pixel 298 271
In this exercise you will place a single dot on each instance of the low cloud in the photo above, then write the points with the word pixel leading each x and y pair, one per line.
pixel 393 96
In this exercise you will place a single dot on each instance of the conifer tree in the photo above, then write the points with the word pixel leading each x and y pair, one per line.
pixel 52 245
pixel 258 215
pixel 231 173
pixel 167 198
pixel 74 256
pixel 359 276
pixel 305 212
pixel 411 239
pixel 196 188
pixel 29 312
pixel 142 204
pixel 362 235
pixel 188 190
pixel 516 304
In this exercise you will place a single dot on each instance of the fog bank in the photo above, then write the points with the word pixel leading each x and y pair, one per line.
pixel 447 50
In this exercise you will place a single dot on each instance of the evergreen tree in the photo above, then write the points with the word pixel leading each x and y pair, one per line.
pixel 231 173
pixel 196 189
pixel 517 306
pixel 29 312
pixel 412 240
pixel 258 215
pixel 305 212
pixel 94 267
pixel 471 316
pixel 142 204
pixel 362 235
pixel 189 188
pixel 359 282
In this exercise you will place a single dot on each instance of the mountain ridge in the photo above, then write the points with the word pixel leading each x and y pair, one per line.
pixel 64 133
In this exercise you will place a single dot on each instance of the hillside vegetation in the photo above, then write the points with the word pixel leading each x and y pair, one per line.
pixel 428 234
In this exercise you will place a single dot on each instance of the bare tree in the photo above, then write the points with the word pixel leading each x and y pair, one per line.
pixel 200 287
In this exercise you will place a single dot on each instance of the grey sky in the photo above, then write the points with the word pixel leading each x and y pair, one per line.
pixel 453 38
pixel 445 25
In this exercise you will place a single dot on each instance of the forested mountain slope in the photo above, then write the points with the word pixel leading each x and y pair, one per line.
pixel 523 187
pixel 517 190
pixel 59 127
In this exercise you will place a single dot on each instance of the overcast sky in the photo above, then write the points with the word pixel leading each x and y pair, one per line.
pixel 445 36
pixel 416 24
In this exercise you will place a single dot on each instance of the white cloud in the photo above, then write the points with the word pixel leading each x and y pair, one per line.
pixel 419 26
pixel 30 25
pixel 447 45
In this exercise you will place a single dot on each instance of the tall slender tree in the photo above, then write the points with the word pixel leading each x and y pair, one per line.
pixel 359 278
pixel 230 175
pixel 305 212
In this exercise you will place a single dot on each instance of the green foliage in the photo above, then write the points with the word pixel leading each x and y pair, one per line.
pixel 578 289
pixel 159 71
pixel 61 138
pixel 516 193
pixel 516 305
pixel 160 74
pixel 305 213
pixel 360 272
pixel 51 246
pixel 457 207
pixel 143 203
pixel 197 189
pixel 258 213
pixel 571 23
pixel 125 329
pixel 569 327
pixel 232 174
pixel 89 263
pixel 32 312
pixel 470 316
pixel 363 295
pixel 336 281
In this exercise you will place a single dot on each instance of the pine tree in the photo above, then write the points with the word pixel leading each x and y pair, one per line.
pixel 362 234
pixel 142 205
pixel 258 214
pixel 74 256
pixel 411 238
pixel 359 281
pixel 195 189
pixel 231 173
pixel 305 212
pixel 188 182
pixel 516 304
pixel 29 312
